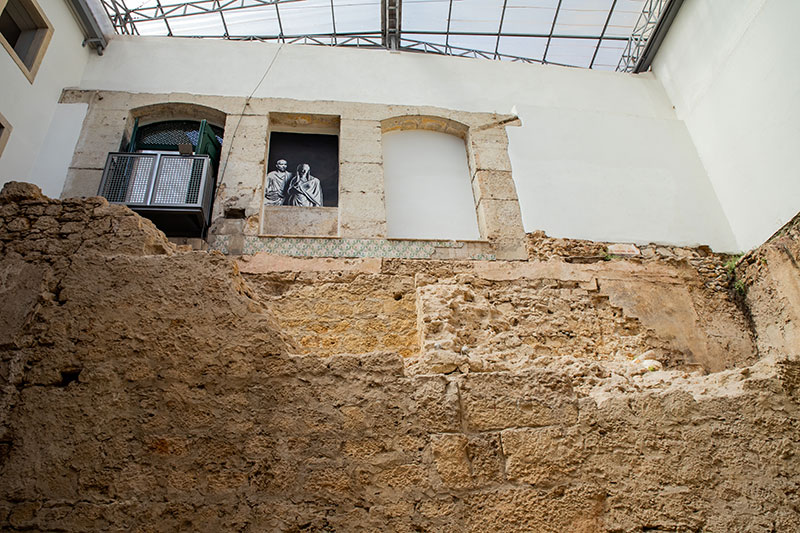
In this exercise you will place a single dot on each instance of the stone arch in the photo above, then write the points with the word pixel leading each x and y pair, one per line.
pixel 177 111
pixel 165 111
pixel 425 122
pixel 494 193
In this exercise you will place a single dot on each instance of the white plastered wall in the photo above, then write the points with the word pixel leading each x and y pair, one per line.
pixel 44 132
pixel 599 155
pixel 732 70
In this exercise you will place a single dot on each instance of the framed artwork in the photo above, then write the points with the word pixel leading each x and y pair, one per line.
pixel 303 170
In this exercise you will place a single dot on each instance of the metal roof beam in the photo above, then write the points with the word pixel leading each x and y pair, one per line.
pixel 603 33
pixel 188 9
pixel 500 29
pixel 647 35
pixel 512 34
pixel 391 18
pixel 550 36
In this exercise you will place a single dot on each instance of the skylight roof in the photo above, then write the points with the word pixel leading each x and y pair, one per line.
pixel 578 33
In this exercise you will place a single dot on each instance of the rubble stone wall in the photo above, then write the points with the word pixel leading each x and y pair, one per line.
pixel 768 279
pixel 149 389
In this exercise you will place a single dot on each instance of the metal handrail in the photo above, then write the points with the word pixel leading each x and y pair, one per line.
pixel 158 180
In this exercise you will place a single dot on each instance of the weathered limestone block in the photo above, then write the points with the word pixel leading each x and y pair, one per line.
pixel 364 131
pixel 360 141
pixel 468 462
pixel 21 285
pixel 495 401
pixel 493 185
pixel 418 121
pixel 437 404
pixel 542 455
pixel 361 177
pixel 293 220
pixel 769 280
pixel 488 156
pixel 500 219
pixel 362 214
pixel 670 310
pixel 577 509
pixel 82 182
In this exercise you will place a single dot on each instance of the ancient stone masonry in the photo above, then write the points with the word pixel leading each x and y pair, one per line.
pixel 768 279
pixel 241 221
pixel 489 315
pixel 145 388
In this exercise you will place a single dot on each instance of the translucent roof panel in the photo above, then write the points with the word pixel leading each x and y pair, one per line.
pixel 578 33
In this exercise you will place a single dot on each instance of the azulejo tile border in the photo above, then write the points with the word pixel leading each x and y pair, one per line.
pixel 312 247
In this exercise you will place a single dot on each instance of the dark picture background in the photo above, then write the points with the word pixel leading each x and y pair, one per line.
pixel 321 152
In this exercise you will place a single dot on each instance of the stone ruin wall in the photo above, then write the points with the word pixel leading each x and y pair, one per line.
pixel 147 388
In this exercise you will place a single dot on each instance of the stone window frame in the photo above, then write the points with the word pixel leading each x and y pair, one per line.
pixel 439 125
pixel 40 40
pixel 5 132
pixel 167 111
pixel 312 123
pixel 494 193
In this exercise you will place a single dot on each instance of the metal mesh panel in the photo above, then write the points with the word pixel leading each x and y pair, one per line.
pixel 173 133
pixel 178 180
pixel 126 178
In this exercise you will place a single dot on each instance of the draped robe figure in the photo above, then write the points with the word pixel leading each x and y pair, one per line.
pixel 275 187
pixel 304 189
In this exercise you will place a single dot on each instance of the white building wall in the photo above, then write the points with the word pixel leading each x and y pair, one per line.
pixel 31 108
pixel 600 155
pixel 732 70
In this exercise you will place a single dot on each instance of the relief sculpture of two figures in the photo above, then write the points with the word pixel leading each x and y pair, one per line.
pixel 299 189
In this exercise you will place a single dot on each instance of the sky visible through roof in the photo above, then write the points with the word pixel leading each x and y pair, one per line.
pixel 565 32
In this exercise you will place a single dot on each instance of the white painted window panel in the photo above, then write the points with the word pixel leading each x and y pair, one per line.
pixel 428 191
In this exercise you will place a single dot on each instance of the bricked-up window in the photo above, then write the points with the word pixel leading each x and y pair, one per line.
pixel 428 194
pixel 25 33
pixel 5 132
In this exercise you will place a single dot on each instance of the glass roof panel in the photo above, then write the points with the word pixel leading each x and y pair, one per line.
pixel 493 29
pixel 529 16
pixel 425 15
pixel 208 25
pixel 624 18
pixel 483 43
pixel 575 52
pixel 155 27
pixel 310 17
pixel 433 39
pixel 579 17
pixel 608 55
pixel 358 16
pixel 476 16
pixel 530 47
pixel 261 22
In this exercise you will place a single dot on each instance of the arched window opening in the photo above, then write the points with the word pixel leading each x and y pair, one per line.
pixel 169 135
pixel 427 186
pixel 167 172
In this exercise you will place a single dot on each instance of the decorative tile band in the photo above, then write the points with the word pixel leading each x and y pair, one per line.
pixel 313 247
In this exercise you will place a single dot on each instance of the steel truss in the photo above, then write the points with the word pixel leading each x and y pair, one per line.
pixel 390 36
pixel 652 12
